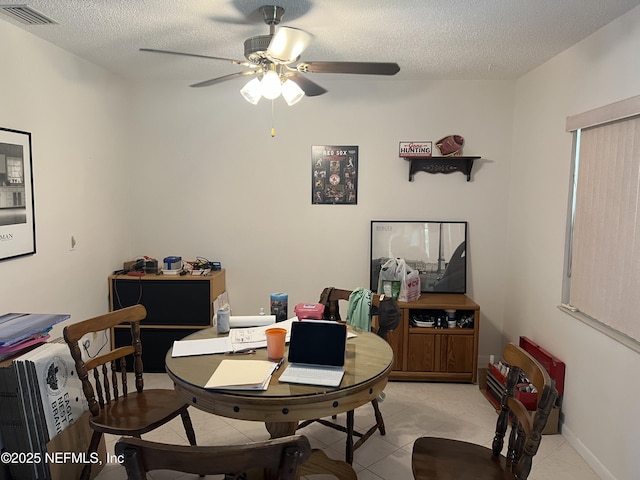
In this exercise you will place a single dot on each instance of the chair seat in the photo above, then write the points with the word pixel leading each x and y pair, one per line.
pixel 446 459
pixel 138 413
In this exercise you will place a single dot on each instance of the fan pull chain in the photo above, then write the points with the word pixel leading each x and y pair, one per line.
pixel 273 128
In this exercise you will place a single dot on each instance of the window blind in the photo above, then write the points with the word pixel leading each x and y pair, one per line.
pixel 604 274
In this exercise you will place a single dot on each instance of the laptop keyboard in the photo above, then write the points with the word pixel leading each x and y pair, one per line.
pixel 314 372
pixel 315 375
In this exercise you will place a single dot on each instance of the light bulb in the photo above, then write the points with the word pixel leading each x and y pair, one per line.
pixel 252 91
pixel 271 86
pixel 291 92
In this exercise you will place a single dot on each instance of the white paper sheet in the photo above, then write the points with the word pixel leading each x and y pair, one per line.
pixel 238 339
pixel 205 346
pixel 255 337
pixel 239 321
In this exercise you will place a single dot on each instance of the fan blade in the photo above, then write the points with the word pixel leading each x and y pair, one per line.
pixel 235 62
pixel 310 89
pixel 287 44
pixel 231 76
pixel 365 68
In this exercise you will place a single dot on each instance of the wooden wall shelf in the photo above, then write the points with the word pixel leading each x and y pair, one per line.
pixel 441 165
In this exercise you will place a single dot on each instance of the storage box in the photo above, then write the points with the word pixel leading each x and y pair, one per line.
pixel 151 267
pixel 173 263
pixel 553 422
pixel 133 265
pixel 309 310
pixel 495 382
pixel 553 365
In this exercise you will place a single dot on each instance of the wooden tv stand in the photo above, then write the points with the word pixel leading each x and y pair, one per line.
pixel 433 354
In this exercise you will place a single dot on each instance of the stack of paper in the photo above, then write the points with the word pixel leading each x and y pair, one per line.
pixel 18 331
pixel 242 375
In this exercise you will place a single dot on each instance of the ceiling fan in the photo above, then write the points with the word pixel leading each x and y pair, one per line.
pixel 274 61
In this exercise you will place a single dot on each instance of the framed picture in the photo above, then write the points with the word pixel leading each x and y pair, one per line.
pixel 436 249
pixel 334 174
pixel 17 223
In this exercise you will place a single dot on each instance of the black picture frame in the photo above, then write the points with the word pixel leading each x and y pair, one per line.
pixel 17 219
pixel 334 174
pixel 437 249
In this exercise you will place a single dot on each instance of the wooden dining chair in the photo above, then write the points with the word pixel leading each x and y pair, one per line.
pixel 116 410
pixel 330 298
pixel 446 459
pixel 281 455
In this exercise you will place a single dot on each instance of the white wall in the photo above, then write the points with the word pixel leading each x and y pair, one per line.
pixel 600 402
pixel 214 183
pixel 77 116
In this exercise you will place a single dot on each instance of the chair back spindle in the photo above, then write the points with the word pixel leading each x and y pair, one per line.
pixel 137 355
pixel 105 388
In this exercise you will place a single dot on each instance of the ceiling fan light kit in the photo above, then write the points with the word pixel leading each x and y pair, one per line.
pixel 287 45
pixel 271 85
pixel 291 92
pixel 252 91
pixel 272 58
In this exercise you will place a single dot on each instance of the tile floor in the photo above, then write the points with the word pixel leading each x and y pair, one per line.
pixel 410 410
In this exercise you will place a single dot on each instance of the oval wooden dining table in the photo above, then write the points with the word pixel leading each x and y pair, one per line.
pixel 368 362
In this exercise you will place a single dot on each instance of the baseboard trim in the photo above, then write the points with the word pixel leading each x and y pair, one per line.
pixel 586 454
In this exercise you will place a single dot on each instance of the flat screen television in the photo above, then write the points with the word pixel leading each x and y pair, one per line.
pixel 437 249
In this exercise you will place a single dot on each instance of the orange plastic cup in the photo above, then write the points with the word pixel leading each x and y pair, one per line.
pixel 275 342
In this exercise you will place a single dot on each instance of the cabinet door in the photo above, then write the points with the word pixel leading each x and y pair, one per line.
pixel 456 354
pixel 168 302
pixel 156 342
pixel 421 353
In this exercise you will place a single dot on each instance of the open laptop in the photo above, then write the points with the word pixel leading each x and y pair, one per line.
pixel 316 353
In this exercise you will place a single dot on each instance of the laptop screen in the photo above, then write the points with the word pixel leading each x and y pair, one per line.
pixel 318 343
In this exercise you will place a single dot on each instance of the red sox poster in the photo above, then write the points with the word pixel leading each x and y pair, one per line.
pixel 334 174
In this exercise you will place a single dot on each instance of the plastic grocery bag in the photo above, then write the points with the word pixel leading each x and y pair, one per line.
pixel 399 280
pixel 410 282
pixel 388 280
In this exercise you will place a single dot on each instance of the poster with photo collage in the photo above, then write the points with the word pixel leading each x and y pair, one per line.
pixel 334 174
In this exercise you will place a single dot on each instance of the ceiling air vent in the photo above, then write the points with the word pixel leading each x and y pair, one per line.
pixel 26 15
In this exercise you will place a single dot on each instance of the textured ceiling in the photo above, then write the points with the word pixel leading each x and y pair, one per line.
pixel 430 39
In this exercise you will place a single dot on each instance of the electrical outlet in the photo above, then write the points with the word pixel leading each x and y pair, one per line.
pixel 95 335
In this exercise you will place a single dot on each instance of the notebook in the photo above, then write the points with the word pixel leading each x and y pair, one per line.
pixel 242 374
pixel 316 353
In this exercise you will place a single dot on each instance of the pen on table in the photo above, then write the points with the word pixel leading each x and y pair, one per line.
pixel 246 351
pixel 279 364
